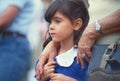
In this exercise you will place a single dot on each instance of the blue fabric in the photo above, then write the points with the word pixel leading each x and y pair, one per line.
pixel 97 53
pixel 75 71
pixel 14 58
pixel 23 19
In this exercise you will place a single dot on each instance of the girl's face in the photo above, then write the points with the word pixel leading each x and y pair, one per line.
pixel 61 28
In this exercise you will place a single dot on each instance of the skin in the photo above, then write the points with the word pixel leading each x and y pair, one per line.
pixel 7 16
pixel 109 25
pixel 57 28
pixel 48 69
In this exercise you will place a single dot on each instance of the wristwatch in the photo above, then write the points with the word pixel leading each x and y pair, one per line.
pixel 98 28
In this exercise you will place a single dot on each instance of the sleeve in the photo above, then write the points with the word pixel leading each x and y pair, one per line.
pixel 18 3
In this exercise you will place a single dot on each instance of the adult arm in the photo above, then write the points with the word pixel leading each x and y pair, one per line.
pixel 7 16
pixel 109 24
pixel 47 54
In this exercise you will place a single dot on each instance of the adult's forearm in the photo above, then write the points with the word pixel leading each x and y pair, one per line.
pixel 56 44
pixel 8 16
pixel 111 23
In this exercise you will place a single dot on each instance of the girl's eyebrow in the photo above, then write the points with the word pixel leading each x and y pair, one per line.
pixel 55 17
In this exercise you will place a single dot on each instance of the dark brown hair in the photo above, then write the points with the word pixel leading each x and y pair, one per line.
pixel 72 9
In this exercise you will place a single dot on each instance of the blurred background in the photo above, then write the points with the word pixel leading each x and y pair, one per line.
pixel 97 9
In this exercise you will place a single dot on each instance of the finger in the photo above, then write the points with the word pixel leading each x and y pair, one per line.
pixel 47 68
pixel 49 71
pixel 42 61
pixel 52 76
pixel 80 58
pixel 87 58
pixel 40 65
pixel 37 70
pixel 51 63
pixel 37 76
pixel 79 53
pixel 88 52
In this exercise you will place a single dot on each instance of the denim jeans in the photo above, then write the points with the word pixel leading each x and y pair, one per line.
pixel 15 55
pixel 97 53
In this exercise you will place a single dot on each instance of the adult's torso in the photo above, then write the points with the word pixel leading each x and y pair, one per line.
pixel 21 22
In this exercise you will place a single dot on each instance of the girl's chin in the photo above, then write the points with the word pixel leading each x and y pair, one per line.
pixel 54 40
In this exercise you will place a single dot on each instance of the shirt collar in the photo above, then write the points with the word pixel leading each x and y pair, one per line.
pixel 66 59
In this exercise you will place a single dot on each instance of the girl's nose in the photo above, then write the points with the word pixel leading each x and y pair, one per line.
pixel 51 27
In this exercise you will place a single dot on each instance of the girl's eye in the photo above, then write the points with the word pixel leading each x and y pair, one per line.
pixel 57 21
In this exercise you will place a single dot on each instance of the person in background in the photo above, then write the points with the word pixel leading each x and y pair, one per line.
pixel 60 17
pixel 15 52
pixel 109 26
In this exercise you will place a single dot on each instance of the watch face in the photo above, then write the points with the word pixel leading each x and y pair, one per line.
pixel 98 27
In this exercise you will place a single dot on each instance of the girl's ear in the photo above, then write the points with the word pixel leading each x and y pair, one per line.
pixel 77 23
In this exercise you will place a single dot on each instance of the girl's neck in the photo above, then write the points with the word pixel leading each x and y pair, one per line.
pixel 65 46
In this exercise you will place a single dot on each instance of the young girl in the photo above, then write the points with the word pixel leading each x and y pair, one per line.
pixel 67 20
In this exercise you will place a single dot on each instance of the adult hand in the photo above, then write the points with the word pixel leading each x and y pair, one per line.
pixel 48 69
pixel 85 44
pixel 47 55
pixel 61 77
